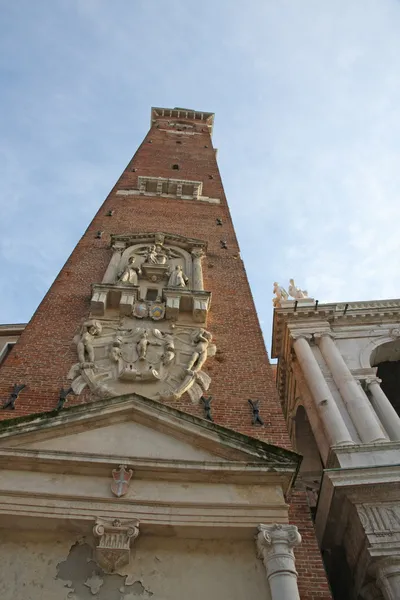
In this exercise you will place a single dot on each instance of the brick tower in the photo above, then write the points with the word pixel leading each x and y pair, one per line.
pixel 147 449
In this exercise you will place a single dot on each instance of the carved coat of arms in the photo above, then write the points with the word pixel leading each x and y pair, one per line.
pixel 140 343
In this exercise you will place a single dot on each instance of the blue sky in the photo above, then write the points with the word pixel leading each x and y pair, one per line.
pixel 306 96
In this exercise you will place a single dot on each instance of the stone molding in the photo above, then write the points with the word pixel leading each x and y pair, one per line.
pixel 152 194
pixel 115 540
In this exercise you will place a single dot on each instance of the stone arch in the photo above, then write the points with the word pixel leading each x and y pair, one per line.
pixel 367 352
pixel 386 358
pixel 186 257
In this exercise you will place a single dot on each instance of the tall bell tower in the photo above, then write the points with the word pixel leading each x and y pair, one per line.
pixel 140 419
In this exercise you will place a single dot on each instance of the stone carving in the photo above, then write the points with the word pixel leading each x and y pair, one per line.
pixel 85 349
pixel 199 356
pixel 115 539
pixel 156 254
pixel 142 344
pixel 280 295
pixel 156 363
pixel 380 518
pixel 130 273
pixel 121 478
pixel 295 292
pixel 177 279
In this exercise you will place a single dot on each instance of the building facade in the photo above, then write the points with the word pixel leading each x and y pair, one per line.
pixel 338 379
pixel 144 451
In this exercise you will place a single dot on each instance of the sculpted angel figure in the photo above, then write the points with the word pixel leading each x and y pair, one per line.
pixel 199 356
pixel 177 278
pixel 130 273
pixel 280 294
pixel 84 346
pixel 295 291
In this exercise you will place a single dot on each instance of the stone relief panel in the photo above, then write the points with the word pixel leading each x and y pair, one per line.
pixel 158 361
pixel 381 523
pixel 154 275
pixel 142 335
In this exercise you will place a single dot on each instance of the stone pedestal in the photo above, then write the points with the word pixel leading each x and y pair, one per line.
pixel 357 403
pixel 275 545
pixel 325 404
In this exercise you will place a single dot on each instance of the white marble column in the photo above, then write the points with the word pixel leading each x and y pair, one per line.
pixel 358 405
pixel 325 404
pixel 197 271
pixel 384 409
pixel 275 545
pixel 111 272
pixel 388 577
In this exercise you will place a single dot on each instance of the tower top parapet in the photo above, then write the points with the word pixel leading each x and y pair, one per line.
pixel 184 115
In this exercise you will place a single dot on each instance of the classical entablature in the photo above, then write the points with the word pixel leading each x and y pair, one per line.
pixel 146 331
pixel 345 418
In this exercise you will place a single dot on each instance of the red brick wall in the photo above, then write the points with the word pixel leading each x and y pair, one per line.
pixel 45 352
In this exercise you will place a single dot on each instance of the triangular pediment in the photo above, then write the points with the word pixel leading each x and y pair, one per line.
pixel 125 438
pixel 130 428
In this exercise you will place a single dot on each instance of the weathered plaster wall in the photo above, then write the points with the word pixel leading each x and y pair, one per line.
pixel 38 567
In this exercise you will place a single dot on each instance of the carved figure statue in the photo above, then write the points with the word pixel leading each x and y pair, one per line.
pixel 280 295
pixel 199 356
pixel 296 292
pixel 116 351
pixel 156 254
pixel 85 344
pixel 130 273
pixel 142 344
pixel 177 278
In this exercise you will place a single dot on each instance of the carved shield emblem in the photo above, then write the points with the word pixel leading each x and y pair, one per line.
pixel 140 310
pixel 121 478
pixel 157 311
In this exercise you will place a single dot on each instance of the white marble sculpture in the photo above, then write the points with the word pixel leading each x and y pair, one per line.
pixel 199 356
pixel 295 292
pixel 280 295
pixel 84 346
pixel 155 363
pixel 177 279
pixel 130 273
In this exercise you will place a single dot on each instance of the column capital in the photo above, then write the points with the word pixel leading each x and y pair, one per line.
pixel 368 381
pixel 198 253
pixel 269 536
pixel 118 246
pixel 294 335
pixel 275 545
pixel 320 334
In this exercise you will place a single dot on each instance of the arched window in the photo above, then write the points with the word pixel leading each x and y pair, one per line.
pixel 387 358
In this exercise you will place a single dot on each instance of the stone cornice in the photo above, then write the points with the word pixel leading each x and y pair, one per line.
pixel 219 440
pixel 183 113
pixel 310 317
pixel 81 463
